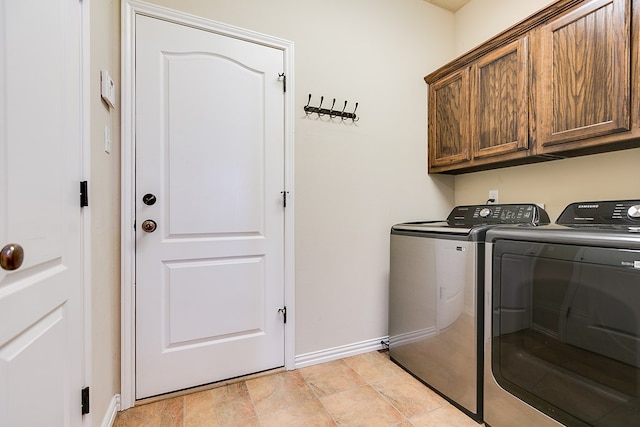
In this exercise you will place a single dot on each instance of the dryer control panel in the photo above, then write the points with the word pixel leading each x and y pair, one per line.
pixel 469 216
pixel 612 212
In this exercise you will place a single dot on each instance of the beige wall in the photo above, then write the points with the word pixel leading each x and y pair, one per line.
pixel 352 181
pixel 104 203
pixel 556 183
pixel 479 20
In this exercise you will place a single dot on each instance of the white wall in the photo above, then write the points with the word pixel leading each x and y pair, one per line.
pixel 556 183
pixel 352 181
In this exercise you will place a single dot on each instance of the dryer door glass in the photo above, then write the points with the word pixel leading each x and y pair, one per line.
pixel 566 330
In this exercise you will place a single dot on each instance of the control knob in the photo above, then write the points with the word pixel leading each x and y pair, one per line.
pixel 634 212
pixel 485 212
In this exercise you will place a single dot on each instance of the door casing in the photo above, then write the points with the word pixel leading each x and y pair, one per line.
pixel 130 8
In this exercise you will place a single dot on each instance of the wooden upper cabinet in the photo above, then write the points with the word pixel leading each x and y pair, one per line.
pixel 500 101
pixel 481 112
pixel 449 120
pixel 584 81
pixel 563 82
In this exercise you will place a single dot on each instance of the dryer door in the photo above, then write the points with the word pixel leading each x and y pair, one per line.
pixel 566 330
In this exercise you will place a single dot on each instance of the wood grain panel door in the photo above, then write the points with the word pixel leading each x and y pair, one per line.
pixel 584 87
pixel 500 101
pixel 449 120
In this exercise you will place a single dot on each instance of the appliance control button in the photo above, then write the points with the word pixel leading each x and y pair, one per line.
pixel 634 212
pixel 485 212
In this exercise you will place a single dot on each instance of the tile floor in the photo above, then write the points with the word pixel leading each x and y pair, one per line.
pixel 366 390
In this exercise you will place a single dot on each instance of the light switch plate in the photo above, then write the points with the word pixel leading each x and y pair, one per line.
pixel 107 88
pixel 107 140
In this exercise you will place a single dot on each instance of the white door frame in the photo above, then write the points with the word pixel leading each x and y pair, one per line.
pixel 131 8
pixel 85 215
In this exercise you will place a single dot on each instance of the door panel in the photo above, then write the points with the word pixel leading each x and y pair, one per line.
pixel 41 348
pixel 584 85
pixel 449 120
pixel 210 147
pixel 196 129
pixel 500 107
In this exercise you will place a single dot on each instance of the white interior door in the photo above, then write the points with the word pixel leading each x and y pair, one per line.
pixel 41 316
pixel 210 153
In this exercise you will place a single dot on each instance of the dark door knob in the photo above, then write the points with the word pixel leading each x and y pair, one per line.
pixel 11 257
pixel 149 226
pixel 149 199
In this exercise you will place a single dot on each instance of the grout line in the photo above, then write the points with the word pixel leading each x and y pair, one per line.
pixel 184 411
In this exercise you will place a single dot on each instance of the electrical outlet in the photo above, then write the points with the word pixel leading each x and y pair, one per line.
pixel 493 195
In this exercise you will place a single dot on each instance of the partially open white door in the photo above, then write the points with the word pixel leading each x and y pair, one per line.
pixel 41 317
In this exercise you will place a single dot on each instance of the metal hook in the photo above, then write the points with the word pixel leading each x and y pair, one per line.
pixel 343 108
pixel 331 109
pixel 306 107
pixel 320 107
pixel 354 119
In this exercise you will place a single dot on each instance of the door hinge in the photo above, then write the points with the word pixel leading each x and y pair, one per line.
pixel 283 77
pixel 85 400
pixel 283 311
pixel 284 198
pixel 84 194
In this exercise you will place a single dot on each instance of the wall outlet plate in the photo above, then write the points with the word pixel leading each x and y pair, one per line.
pixel 493 195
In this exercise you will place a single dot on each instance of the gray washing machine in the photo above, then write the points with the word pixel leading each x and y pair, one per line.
pixel 435 315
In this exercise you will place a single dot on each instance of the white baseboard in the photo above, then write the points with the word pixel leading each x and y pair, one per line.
pixel 413 336
pixel 112 411
pixel 341 352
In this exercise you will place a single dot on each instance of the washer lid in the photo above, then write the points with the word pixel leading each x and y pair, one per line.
pixel 432 227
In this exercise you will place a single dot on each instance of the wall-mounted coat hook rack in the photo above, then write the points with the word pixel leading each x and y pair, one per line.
pixel 308 109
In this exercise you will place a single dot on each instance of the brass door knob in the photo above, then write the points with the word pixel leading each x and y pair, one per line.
pixel 149 226
pixel 11 257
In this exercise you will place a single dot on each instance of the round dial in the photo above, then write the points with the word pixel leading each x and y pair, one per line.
pixel 634 212
pixel 485 212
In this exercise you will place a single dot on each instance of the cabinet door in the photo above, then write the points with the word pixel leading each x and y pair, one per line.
pixel 500 101
pixel 584 86
pixel 449 120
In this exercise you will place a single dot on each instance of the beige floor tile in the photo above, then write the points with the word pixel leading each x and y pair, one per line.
pixel 373 366
pixel 219 406
pixel 362 406
pixel 308 414
pixel 408 395
pixel 164 413
pixel 446 416
pixel 278 391
pixel 367 390
pixel 332 377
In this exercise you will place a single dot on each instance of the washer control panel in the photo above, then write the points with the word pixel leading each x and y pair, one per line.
pixel 613 212
pixel 469 216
